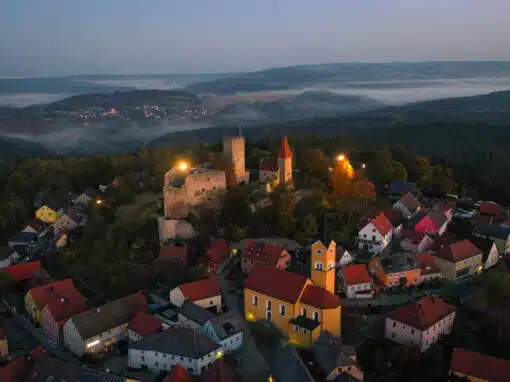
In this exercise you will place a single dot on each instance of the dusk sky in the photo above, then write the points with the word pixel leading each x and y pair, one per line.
pixel 62 37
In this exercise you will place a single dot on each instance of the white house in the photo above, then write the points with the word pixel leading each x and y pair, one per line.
pixel 357 283
pixel 490 253
pixel 416 242
pixel 187 347
pixel 96 329
pixel 408 205
pixel 69 221
pixel 205 293
pixel 420 324
pixel 226 330
pixel 343 257
pixel 191 315
pixel 376 235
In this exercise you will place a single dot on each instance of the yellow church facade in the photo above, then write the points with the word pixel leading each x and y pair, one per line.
pixel 302 308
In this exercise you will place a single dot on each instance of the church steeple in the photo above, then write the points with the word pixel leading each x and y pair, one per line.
pixel 285 163
pixel 285 151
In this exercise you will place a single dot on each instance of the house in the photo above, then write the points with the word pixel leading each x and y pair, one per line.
pixel 435 222
pixel 52 369
pixel 397 269
pixel 8 256
pixel 459 259
pixel 35 226
pixel 420 324
pixel 400 188
pixel 193 316
pixel 489 249
pixel 415 241
pixel 260 252
pixel 87 197
pixel 221 371
pixel 194 351
pixel 376 235
pixel 22 239
pixel 295 369
pixel 393 215
pixel 205 293
pixel 478 367
pixel 357 283
pixel 61 239
pixel 4 347
pixel 143 325
pixel 178 374
pixel 23 272
pixel 50 211
pixel 489 208
pixel 429 270
pixel 226 330
pixel 335 358
pixel 173 254
pixel 217 256
pixel 343 257
pixel 500 235
pixel 69 221
pixel 408 205
pixel 37 298
pixel 301 308
pixel 96 329
pixel 56 313
pixel 447 208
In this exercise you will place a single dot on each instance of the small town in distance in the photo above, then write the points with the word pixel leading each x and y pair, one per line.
pixel 381 278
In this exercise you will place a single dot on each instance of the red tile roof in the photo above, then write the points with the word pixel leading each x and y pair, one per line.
pixel 178 374
pixel 458 251
pixel 489 208
pixel 285 151
pixel 268 254
pixel 22 272
pixel 63 308
pixel 174 252
pixel 220 371
pixel 414 236
pixel 201 289
pixel 427 264
pixel 423 314
pixel 145 324
pixel 481 219
pixel 42 295
pixel 356 274
pixel 480 366
pixel 319 298
pixel 268 164
pixel 391 213
pixel 410 202
pixel 15 371
pixel 283 285
pixel 219 251
pixel 382 224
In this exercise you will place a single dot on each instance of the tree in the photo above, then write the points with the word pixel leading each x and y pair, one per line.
pixel 307 228
pixel 281 210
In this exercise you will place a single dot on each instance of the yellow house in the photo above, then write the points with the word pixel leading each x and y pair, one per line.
pixel 50 212
pixel 300 307
pixel 459 259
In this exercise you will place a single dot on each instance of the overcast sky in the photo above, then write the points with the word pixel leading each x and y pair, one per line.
pixel 61 37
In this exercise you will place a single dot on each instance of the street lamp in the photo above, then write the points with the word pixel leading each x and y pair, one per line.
pixel 99 201
pixel 341 157
pixel 183 166
pixel 363 166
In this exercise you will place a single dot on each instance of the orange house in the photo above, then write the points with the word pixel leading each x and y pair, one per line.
pixel 399 269
pixel 301 308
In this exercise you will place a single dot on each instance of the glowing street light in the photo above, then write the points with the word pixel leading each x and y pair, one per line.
pixel 341 157
pixel 99 201
pixel 183 165
pixel 363 166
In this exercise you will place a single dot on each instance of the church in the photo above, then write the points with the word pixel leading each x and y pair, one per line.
pixel 273 172
pixel 301 307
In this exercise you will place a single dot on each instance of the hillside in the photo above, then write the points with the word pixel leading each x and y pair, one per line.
pixel 344 74
pixel 13 148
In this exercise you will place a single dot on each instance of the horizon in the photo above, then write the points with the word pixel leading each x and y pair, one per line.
pixel 59 38
pixel 256 70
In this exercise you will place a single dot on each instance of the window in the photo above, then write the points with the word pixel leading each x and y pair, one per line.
pixel 394 324
pixel 282 309
pixel 296 329
pixel 268 315
pixel 392 335
pixel 373 237
pixel 303 312
pixel 412 331
pixel 304 331
pixel 255 300
pixel 318 265
pixel 268 305
pixel 364 235
pixel 316 316
pixel 319 251
pixel 331 264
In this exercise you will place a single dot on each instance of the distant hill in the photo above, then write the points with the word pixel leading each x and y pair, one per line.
pixel 331 75
pixel 12 148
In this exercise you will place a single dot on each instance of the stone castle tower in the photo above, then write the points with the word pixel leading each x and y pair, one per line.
pixel 233 149
pixel 323 262
pixel 285 163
